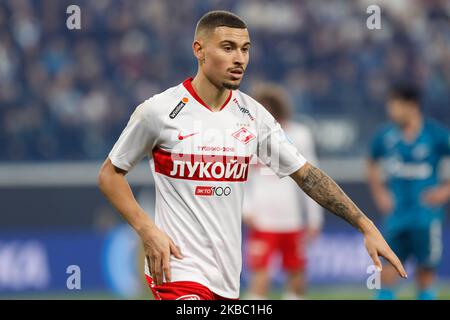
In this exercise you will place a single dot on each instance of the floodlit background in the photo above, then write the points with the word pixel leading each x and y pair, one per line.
pixel 65 96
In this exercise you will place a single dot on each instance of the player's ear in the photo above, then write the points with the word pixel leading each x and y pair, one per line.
pixel 198 49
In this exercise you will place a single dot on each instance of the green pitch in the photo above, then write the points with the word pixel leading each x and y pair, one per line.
pixel 318 292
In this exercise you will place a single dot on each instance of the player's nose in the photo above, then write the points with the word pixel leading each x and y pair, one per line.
pixel 239 58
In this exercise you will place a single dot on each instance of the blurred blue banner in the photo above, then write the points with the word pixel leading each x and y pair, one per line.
pixel 39 261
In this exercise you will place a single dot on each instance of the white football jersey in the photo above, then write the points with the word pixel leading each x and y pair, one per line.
pixel 279 205
pixel 200 161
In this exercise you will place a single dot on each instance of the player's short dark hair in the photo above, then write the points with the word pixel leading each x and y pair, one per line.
pixel 406 92
pixel 214 19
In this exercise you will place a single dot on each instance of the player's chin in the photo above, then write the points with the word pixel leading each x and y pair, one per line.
pixel 232 84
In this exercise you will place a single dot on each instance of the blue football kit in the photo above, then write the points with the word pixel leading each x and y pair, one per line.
pixel 413 228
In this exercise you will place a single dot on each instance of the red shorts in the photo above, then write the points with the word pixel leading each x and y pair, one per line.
pixel 182 290
pixel 262 245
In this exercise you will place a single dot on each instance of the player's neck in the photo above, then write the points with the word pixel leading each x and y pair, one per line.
pixel 413 127
pixel 213 96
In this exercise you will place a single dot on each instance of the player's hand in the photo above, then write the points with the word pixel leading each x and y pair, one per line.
pixel 436 196
pixel 158 247
pixel 377 247
pixel 384 202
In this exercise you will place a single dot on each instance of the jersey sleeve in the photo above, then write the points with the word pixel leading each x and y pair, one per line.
pixel 376 147
pixel 443 140
pixel 137 139
pixel 274 148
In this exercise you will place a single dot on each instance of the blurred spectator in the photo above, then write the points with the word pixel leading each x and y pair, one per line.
pixel 65 95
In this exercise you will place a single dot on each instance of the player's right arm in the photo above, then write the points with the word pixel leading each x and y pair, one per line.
pixel 380 194
pixel 157 245
pixel 136 141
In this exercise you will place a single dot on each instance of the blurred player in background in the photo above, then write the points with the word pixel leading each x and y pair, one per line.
pixel 275 209
pixel 410 150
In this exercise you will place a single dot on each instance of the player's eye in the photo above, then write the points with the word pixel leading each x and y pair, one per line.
pixel 246 49
pixel 227 49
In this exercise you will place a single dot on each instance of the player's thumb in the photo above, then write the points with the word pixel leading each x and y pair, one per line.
pixel 175 250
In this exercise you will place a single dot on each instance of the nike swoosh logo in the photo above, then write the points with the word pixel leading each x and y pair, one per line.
pixel 180 137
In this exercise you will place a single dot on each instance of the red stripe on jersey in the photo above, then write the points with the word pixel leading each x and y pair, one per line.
pixel 188 85
pixel 201 167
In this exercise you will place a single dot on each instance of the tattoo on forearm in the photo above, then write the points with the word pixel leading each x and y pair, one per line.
pixel 329 195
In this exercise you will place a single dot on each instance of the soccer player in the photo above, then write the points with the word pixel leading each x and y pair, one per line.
pixel 200 136
pixel 409 150
pixel 281 218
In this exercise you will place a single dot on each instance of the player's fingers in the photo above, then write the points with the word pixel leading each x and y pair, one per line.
pixel 154 274
pixel 376 261
pixel 395 261
pixel 157 266
pixel 175 250
pixel 151 268
pixel 166 267
pixel 149 263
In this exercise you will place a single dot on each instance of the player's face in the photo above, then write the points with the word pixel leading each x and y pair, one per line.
pixel 399 111
pixel 226 55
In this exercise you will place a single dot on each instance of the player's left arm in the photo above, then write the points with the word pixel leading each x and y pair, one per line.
pixel 325 191
pixel 439 195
